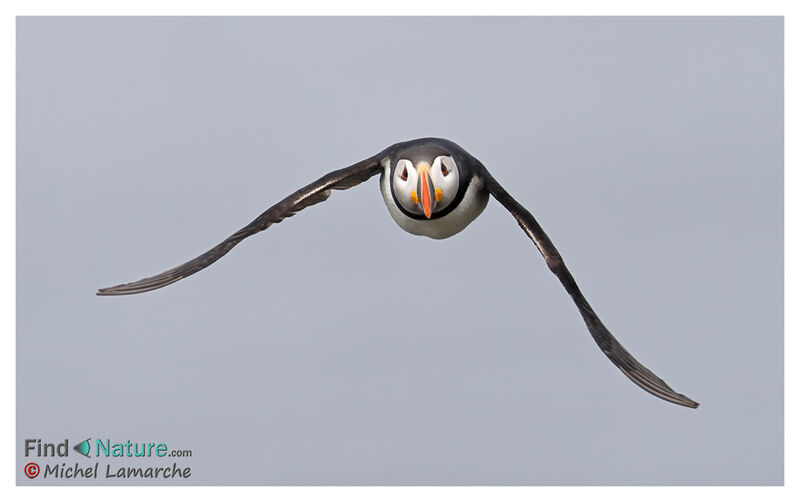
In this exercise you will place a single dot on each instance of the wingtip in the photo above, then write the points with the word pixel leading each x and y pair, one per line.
pixel 684 401
pixel 111 291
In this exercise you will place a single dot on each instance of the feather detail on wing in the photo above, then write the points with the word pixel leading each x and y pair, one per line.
pixel 614 350
pixel 314 193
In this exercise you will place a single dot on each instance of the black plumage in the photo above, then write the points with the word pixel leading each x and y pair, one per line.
pixel 469 167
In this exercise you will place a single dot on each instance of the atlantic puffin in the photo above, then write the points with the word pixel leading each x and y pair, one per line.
pixel 431 187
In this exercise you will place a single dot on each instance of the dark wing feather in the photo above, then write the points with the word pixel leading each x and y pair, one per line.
pixel 314 193
pixel 634 370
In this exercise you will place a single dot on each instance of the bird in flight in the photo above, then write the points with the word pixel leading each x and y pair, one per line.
pixel 431 187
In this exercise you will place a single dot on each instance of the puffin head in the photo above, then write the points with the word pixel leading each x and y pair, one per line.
pixel 425 186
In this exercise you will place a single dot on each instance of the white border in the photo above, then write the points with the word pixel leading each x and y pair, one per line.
pixel 12 8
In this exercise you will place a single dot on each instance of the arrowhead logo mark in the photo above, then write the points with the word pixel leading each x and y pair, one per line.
pixel 83 447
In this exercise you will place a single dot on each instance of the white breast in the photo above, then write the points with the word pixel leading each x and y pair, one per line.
pixel 472 205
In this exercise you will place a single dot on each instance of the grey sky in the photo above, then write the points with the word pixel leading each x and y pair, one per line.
pixel 335 348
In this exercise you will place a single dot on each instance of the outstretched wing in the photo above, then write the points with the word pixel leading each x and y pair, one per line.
pixel 309 195
pixel 632 368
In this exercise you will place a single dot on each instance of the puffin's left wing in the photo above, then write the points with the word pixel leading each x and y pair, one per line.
pixel 309 195
pixel 632 368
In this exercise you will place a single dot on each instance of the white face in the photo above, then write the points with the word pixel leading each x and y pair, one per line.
pixel 425 188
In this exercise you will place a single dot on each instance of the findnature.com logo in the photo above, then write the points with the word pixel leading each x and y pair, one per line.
pixel 104 449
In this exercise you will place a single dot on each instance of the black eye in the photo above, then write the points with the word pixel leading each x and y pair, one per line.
pixel 445 170
pixel 404 174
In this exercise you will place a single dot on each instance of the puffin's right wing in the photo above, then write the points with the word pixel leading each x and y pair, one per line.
pixel 632 368
pixel 309 195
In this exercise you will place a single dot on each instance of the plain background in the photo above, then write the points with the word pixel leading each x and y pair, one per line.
pixel 337 349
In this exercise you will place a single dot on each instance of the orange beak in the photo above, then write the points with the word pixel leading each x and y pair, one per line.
pixel 425 188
